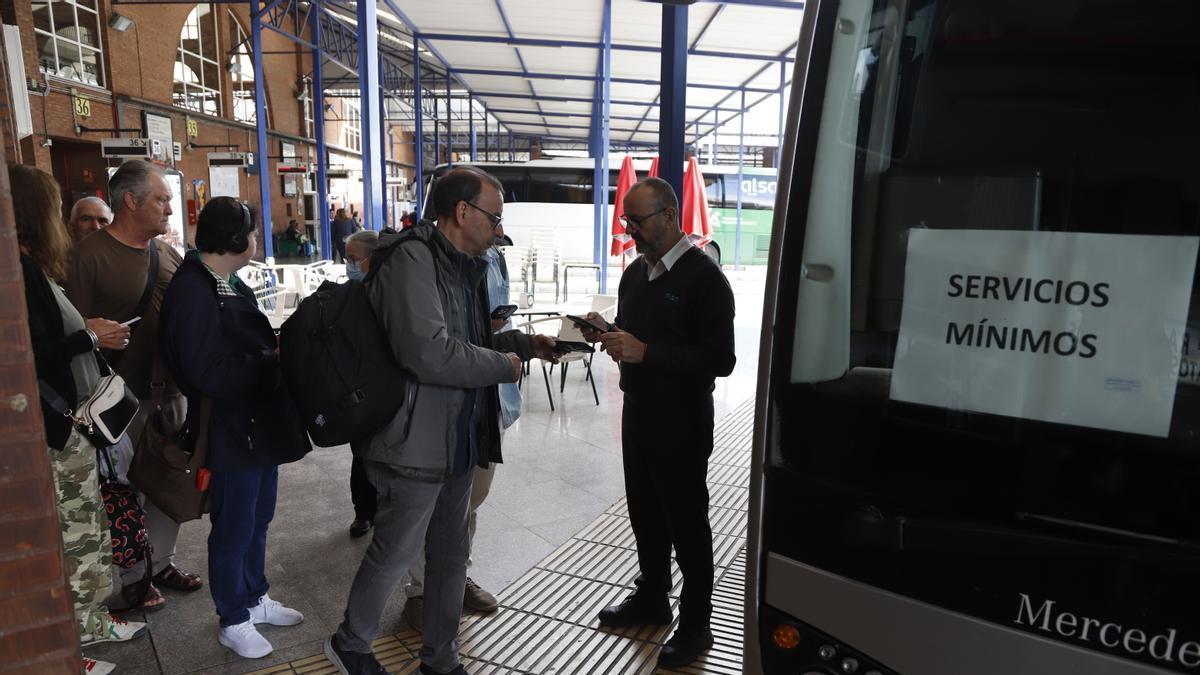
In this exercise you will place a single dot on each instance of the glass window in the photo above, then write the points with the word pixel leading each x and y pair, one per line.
pixel 241 70
pixel 197 72
pixel 68 41
pixel 351 126
pixel 1008 146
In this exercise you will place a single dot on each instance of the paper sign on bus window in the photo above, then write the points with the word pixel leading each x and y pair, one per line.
pixel 1074 328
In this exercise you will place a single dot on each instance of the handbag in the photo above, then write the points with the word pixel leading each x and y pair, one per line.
pixel 168 465
pixel 127 527
pixel 103 418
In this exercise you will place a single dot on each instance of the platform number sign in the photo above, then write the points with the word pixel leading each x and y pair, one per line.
pixel 83 106
pixel 193 129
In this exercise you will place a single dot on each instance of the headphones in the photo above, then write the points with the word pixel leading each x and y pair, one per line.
pixel 240 241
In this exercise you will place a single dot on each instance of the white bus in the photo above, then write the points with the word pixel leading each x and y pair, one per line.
pixel 555 197
pixel 977 442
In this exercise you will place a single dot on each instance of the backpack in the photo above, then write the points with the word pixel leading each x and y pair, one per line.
pixel 338 362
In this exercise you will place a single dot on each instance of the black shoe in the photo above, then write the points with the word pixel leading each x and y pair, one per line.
pixel 426 670
pixel 685 646
pixel 636 611
pixel 352 663
pixel 360 526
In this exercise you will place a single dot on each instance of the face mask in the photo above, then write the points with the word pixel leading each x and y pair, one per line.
pixel 354 271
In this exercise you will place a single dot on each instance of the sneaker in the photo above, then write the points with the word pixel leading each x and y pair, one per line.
pixel 352 663
pixel 273 612
pixel 94 667
pixel 414 611
pixel 685 646
pixel 636 611
pixel 478 600
pixel 245 640
pixel 119 630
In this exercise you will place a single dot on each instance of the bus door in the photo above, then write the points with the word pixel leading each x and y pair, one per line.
pixel 977 447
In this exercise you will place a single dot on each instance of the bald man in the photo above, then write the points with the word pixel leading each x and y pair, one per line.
pixel 89 215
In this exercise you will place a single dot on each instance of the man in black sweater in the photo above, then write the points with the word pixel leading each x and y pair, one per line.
pixel 673 336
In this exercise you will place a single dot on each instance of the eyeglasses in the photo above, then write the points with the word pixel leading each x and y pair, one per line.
pixel 637 221
pixel 491 216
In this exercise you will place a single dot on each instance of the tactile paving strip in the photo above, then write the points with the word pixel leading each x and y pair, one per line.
pixel 547 619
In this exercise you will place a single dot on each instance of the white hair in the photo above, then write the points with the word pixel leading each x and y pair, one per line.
pixel 90 200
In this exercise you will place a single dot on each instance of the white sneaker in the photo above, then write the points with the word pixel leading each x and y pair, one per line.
pixel 245 640
pixel 273 612
pixel 119 630
pixel 94 667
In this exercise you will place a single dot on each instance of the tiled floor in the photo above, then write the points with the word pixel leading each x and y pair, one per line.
pixel 547 618
pixel 562 474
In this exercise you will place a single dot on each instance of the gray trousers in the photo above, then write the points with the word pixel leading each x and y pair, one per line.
pixel 480 487
pixel 411 514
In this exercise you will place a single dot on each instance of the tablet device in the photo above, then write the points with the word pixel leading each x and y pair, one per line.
pixel 586 324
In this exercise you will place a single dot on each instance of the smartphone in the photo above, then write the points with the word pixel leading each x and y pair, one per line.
pixel 587 324
pixel 567 347
pixel 503 311
pixel 132 321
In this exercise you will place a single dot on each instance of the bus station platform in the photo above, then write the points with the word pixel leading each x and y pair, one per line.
pixel 553 543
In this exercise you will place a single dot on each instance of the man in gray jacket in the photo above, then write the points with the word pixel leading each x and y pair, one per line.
pixel 428 292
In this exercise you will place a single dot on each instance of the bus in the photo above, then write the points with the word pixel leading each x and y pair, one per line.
pixel 555 195
pixel 977 436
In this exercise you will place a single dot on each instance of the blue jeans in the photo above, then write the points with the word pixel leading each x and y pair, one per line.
pixel 242 507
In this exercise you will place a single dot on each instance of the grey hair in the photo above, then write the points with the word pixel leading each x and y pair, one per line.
pixel 133 177
pixel 89 200
pixel 662 192
pixel 369 239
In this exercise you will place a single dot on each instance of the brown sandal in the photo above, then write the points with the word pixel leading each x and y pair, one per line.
pixel 152 601
pixel 177 580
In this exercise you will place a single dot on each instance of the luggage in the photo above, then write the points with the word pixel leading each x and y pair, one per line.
pixel 338 363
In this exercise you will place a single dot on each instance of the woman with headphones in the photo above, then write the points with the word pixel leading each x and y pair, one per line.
pixel 222 350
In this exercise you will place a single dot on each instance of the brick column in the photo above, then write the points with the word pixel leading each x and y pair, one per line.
pixel 37 620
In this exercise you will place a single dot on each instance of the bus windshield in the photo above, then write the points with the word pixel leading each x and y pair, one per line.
pixel 985 383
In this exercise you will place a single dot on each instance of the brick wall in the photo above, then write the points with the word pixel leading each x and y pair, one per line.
pixel 138 70
pixel 38 633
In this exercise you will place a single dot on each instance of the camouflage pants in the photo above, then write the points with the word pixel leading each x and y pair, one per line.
pixel 87 544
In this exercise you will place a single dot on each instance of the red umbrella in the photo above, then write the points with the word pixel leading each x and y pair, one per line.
pixel 653 168
pixel 695 204
pixel 621 241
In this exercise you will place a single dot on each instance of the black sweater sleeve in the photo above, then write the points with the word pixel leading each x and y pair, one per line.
pixel 712 354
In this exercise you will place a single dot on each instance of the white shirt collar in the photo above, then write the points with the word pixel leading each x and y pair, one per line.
pixel 669 258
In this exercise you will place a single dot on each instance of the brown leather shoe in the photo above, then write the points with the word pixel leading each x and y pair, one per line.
pixel 177 580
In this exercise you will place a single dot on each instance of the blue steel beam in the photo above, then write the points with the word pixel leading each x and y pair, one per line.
pixel 418 136
pixel 559 113
pixel 260 124
pixel 579 44
pixel 593 78
pixel 368 73
pixel 319 131
pixel 600 183
pixel 520 59
pixel 779 4
pixel 757 73
pixel 581 99
pixel 673 76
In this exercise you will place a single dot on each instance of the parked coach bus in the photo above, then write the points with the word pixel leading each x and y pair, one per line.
pixel 556 194
pixel 977 446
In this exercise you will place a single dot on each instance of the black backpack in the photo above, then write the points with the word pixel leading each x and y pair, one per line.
pixel 338 363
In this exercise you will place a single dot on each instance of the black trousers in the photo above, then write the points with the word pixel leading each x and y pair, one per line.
pixel 362 493
pixel 665 446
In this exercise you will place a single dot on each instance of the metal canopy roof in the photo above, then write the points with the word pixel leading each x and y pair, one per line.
pixel 534 64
